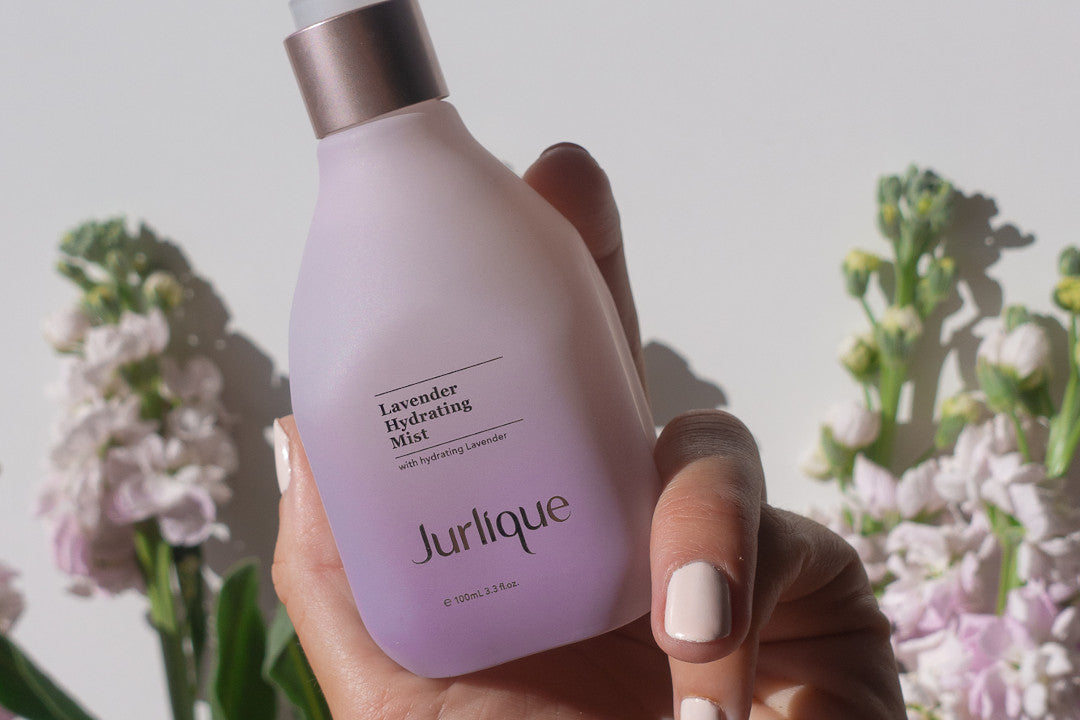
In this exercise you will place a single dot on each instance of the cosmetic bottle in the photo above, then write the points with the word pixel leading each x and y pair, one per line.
pixel 460 378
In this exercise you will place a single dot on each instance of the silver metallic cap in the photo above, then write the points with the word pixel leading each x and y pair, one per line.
pixel 364 63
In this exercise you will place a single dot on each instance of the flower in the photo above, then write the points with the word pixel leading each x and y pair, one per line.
pixel 1024 351
pixel 858 266
pixel 163 290
pixel 898 330
pixel 11 600
pixel 65 329
pixel 140 437
pixel 1067 294
pixel 859 354
pixel 852 425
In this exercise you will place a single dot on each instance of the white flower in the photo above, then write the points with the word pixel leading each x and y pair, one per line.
pixel 814 463
pixel 199 380
pixel 852 425
pixel 880 493
pixel 134 338
pixel 1025 349
pixel 65 329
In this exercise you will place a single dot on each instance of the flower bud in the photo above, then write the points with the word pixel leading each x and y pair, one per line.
pixel 933 287
pixel 1069 262
pixel 1067 294
pixel 852 425
pixel 897 331
pixel 1015 316
pixel 65 330
pixel 889 191
pixel 1025 351
pixel 814 464
pixel 163 290
pixel 859 354
pixel 858 267
pixel 930 197
pixel 957 412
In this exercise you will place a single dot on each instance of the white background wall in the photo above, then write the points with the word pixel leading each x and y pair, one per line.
pixel 742 139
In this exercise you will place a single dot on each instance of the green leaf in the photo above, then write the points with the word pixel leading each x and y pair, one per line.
pixel 28 692
pixel 288 667
pixel 238 690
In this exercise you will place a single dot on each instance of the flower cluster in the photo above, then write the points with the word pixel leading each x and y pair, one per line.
pixel 973 548
pixel 976 557
pixel 139 438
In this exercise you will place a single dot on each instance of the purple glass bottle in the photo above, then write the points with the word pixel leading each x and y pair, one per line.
pixel 460 379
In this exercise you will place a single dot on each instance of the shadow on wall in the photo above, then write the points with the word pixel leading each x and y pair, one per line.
pixel 254 395
pixel 673 386
pixel 976 244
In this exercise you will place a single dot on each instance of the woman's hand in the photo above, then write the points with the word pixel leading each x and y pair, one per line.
pixel 756 612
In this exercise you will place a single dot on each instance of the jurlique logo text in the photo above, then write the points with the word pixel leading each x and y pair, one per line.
pixel 507 524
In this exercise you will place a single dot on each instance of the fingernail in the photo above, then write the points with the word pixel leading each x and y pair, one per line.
pixel 281 457
pixel 695 708
pixel 698 605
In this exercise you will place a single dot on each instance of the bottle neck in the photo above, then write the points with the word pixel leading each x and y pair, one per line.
pixel 364 64
pixel 411 130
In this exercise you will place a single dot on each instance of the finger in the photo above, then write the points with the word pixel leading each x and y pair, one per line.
pixel 704 554
pixel 310 581
pixel 815 596
pixel 817 646
pixel 571 180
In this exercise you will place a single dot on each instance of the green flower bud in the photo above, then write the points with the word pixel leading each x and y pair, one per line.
pixel 1015 316
pixel 858 267
pixel 1069 262
pixel 1000 384
pixel 897 331
pixel 163 290
pixel 957 412
pixel 76 274
pixel 930 200
pixel 890 189
pixel 1067 294
pixel 859 354
pixel 935 285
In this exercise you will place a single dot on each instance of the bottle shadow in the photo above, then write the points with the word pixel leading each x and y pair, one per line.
pixel 673 386
pixel 254 394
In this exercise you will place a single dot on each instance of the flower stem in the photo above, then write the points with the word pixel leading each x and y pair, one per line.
pixel 893 376
pixel 868 311
pixel 156 562
pixel 1021 437
pixel 1064 427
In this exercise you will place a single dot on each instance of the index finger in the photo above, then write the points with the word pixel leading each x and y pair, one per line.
pixel 568 177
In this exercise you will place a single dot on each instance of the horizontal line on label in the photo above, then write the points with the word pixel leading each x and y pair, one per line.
pixel 478 432
pixel 467 367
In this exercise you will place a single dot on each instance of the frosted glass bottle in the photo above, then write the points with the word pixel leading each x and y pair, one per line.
pixel 462 386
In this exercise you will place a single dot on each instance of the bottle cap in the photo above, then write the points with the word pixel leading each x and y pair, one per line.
pixel 363 63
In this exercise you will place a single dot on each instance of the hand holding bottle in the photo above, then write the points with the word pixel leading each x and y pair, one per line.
pixel 755 611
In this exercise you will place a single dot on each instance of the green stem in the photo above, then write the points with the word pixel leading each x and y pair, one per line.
pixel 906 279
pixel 1064 427
pixel 156 562
pixel 866 396
pixel 1021 437
pixel 868 311
pixel 893 376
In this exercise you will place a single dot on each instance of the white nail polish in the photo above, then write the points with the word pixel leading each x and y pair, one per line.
pixel 281 457
pixel 698 607
pixel 695 708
